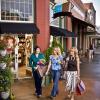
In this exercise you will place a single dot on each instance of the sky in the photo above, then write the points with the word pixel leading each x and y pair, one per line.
pixel 96 4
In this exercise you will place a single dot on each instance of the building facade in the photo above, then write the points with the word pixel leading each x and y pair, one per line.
pixel 23 20
pixel 81 22
pixel 70 21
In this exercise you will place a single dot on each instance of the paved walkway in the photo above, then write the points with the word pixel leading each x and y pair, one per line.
pixel 90 73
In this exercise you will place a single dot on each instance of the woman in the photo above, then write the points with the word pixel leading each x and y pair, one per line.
pixel 73 72
pixel 55 65
pixel 90 52
pixel 34 59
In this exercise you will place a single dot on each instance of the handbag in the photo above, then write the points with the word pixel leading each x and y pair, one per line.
pixel 80 88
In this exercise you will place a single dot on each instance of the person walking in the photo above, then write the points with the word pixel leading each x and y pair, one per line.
pixel 73 72
pixel 34 59
pixel 55 66
pixel 90 52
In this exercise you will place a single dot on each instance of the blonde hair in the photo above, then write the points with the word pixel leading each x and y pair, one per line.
pixel 58 50
pixel 54 48
pixel 74 49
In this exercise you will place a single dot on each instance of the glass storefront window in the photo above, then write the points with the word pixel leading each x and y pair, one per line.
pixel 17 10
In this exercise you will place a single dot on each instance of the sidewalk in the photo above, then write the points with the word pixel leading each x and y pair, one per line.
pixel 24 90
pixel 90 74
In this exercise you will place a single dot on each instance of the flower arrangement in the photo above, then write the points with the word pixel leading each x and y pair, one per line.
pixel 41 62
pixel 41 68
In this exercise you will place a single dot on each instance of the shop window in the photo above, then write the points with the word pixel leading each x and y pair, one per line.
pixel 17 10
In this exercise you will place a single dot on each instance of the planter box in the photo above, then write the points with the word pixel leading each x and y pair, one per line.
pixel 5 95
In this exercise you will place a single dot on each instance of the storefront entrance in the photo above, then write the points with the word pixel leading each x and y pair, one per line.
pixel 25 48
pixel 20 54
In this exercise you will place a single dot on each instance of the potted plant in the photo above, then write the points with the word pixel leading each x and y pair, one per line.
pixel 5 82
pixel 5 72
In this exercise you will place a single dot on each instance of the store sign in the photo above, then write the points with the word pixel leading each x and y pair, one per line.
pixel 57 8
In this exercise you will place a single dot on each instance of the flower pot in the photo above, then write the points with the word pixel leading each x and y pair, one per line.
pixel 3 52
pixel 5 95
pixel 2 65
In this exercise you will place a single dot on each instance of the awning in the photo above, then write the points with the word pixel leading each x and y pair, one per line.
pixel 18 28
pixel 83 22
pixel 56 31
pixel 55 15
pixel 59 14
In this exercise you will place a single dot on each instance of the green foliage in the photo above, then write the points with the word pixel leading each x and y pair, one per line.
pixel 5 79
pixel 57 44
pixel 48 52
pixel 2 45
pixel 5 59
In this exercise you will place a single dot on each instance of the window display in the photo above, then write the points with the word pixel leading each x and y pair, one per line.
pixel 17 10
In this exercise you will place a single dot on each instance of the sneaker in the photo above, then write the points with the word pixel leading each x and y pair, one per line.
pixel 51 97
pixel 39 96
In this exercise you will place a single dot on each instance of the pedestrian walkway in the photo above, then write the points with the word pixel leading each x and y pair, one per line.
pixel 97 51
pixel 24 90
pixel 90 74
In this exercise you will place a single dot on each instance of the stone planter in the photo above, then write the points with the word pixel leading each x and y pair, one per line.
pixel 3 52
pixel 2 65
pixel 5 95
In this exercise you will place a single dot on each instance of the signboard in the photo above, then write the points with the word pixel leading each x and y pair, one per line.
pixel 57 8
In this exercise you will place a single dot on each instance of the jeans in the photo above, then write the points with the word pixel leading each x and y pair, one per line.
pixel 55 76
pixel 38 82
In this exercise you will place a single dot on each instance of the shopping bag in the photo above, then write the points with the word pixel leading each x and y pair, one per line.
pixel 80 88
pixel 41 70
pixel 46 80
pixel 78 91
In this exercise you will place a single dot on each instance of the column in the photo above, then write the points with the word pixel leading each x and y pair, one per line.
pixel 69 27
pixel 42 21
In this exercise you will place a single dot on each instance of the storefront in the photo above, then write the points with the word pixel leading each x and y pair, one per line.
pixel 17 22
pixel 61 24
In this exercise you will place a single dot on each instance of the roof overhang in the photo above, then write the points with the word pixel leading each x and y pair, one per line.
pixel 18 28
pixel 56 31
pixel 69 14
pixel 59 14
pixel 83 22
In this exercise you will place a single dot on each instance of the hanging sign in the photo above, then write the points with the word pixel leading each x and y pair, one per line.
pixel 57 8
